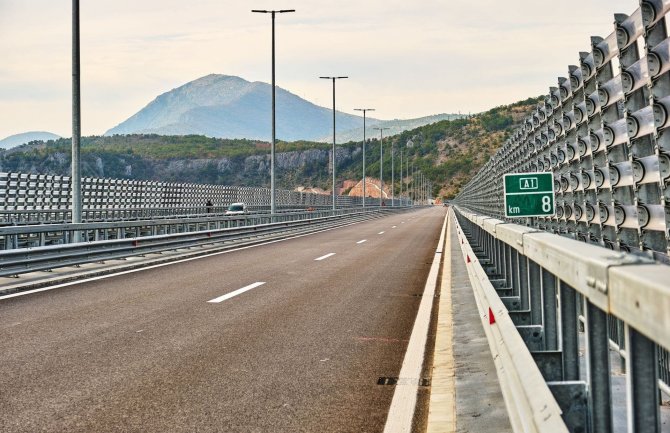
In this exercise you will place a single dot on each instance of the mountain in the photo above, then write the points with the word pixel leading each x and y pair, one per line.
pixel 230 107
pixel 26 137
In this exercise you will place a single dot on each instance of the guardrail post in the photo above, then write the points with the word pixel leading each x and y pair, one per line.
pixel 549 305
pixel 535 286
pixel 524 294
pixel 570 332
pixel 508 266
pixel 642 384
pixel 598 369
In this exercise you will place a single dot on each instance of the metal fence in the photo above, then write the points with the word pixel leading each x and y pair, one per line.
pixel 604 133
pixel 54 245
pixel 36 198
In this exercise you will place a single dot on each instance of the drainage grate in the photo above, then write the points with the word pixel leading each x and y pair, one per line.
pixel 403 381
pixel 387 381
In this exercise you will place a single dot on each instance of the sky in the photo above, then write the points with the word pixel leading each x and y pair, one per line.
pixel 405 58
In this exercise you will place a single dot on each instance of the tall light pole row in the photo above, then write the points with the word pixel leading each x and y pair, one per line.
pixel 76 122
pixel 333 158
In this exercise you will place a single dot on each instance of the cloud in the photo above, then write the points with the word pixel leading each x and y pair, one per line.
pixel 407 59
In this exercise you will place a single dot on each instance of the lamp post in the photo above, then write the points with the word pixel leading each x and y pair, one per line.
pixel 76 119
pixel 381 164
pixel 400 194
pixel 392 178
pixel 333 78
pixel 272 146
pixel 364 110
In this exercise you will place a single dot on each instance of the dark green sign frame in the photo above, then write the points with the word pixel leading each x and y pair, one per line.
pixel 529 194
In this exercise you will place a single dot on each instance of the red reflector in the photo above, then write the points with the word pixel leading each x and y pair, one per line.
pixel 492 318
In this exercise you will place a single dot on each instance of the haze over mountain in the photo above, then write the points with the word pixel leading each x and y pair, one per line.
pixel 26 137
pixel 226 106
pixel 395 127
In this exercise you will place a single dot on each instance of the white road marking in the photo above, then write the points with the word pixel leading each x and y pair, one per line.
pixel 160 265
pixel 236 292
pixel 401 412
pixel 380 233
pixel 394 227
pixel 361 241
pixel 324 257
pixel 402 222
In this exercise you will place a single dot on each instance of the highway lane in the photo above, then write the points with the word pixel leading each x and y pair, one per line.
pixel 147 351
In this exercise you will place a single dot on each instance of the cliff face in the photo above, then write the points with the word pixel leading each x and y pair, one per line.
pixel 309 166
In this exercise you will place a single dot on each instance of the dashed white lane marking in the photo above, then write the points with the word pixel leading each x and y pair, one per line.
pixel 160 265
pixel 236 292
pixel 380 233
pixel 362 241
pixel 402 222
pixel 394 227
pixel 324 257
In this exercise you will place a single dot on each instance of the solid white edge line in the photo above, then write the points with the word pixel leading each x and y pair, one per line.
pixel 130 271
pixel 236 292
pixel 361 241
pixel 324 257
pixel 403 404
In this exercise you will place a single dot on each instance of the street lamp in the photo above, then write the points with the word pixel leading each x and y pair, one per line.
pixel 364 110
pixel 272 147
pixel 392 177
pixel 381 163
pixel 76 119
pixel 400 194
pixel 333 78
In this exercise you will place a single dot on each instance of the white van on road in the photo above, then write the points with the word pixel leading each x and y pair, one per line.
pixel 237 209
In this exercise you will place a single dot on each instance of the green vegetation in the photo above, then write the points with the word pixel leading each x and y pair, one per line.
pixel 447 152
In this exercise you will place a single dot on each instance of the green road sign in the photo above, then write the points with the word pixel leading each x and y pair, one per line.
pixel 529 194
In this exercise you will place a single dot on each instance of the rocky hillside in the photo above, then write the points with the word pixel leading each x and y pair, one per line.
pixel 448 152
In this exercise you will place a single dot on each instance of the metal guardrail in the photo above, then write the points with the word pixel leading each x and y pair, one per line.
pixel 24 236
pixel 604 132
pixel 23 260
pixel 537 281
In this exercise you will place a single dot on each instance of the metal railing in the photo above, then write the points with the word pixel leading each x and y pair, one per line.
pixel 107 241
pixel 39 235
pixel 534 285
pixel 38 198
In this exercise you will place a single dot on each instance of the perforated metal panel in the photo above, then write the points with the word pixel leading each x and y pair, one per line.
pixel 603 131
pixel 21 193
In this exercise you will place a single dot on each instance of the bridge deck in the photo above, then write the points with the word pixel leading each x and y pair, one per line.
pixel 465 394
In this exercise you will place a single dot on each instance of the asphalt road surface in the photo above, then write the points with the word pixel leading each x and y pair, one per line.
pixel 203 346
